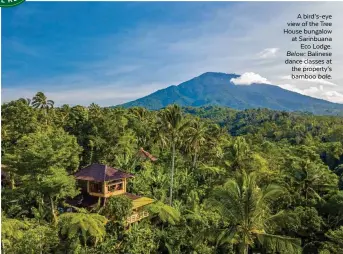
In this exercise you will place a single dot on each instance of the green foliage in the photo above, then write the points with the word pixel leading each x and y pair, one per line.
pixel 82 227
pixel 247 209
pixel 165 212
pixel 40 101
pixel 335 243
pixel 12 229
pixel 255 180
pixel 139 239
pixel 39 150
pixel 171 125
pixel 117 208
pixel 39 239
pixel 27 237
pixel 41 160
pixel 18 119
pixel 56 183
pixel 332 210
pixel 303 222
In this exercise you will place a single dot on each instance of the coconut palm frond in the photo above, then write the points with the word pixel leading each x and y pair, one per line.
pixel 281 244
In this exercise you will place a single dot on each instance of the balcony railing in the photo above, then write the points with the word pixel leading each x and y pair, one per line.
pixel 137 216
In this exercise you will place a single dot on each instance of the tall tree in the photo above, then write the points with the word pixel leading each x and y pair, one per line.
pixel 42 102
pixel 43 159
pixel 57 185
pixel 171 127
pixel 195 138
pixel 17 120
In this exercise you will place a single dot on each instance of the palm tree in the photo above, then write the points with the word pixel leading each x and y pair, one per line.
pixel 64 112
pixel 41 101
pixel 126 144
pixel 311 180
pixel 95 109
pixel 144 122
pixel 240 152
pixel 139 112
pixel 165 212
pixel 171 125
pixel 195 138
pixel 26 101
pixel 247 207
pixel 83 226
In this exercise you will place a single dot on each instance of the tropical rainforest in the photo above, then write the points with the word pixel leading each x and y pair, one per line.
pixel 226 181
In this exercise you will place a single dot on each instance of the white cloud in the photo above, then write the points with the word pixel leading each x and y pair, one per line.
pixel 268 53
pixel 321 81
pixel 316 92
pixel 249 78
pixel 316 80
pixel 291 88
pixel 333 96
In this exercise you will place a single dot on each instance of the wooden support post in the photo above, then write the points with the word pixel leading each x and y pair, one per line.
pixel 104 188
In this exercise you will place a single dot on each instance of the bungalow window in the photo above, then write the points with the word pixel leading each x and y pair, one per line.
pixel 95 187
pixel 115 186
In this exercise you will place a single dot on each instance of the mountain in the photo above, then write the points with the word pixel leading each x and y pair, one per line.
pixel 217 89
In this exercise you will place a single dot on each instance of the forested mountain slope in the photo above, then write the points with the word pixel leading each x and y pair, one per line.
pixel 218 89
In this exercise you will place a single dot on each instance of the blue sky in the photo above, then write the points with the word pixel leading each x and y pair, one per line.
pixel 114 52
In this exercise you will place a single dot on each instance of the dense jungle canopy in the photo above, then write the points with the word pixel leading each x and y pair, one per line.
pixel 226 181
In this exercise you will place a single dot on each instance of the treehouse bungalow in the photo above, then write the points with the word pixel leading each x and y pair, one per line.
pixel 99 182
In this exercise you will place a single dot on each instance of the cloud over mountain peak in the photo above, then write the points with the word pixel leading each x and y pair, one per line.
pixel 249 78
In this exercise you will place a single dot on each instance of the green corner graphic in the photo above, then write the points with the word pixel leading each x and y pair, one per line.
pixel 10 3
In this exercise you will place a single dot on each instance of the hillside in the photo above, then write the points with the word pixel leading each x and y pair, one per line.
pixel 217 89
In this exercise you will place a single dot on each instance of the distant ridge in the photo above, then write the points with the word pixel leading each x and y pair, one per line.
pixel 213 88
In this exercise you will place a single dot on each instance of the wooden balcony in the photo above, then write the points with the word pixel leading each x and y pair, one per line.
pixel 106 189
pixel 137 216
